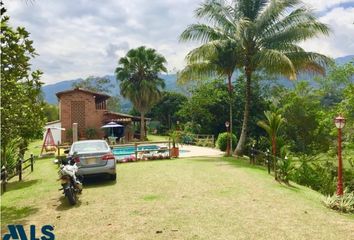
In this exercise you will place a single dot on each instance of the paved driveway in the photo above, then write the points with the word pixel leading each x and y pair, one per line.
pixel 195 151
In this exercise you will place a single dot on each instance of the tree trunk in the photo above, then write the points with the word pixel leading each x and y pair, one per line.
pixel 274 151
pixel 230 103
pixel 142 127
pixel 241 142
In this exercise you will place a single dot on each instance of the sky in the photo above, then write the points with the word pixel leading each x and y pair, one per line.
pixel 81 38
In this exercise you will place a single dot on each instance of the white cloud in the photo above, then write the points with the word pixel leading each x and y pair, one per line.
pixel 340 41
pixel 321 5
pixel 79 38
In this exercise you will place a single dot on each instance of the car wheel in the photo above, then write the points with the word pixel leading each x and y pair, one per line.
pixel 113 177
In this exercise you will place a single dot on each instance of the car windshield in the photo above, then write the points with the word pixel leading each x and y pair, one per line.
pixel 90 147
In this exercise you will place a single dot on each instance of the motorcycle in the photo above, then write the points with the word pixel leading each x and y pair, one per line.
pixel 70 182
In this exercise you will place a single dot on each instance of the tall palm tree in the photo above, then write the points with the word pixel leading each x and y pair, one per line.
pixel 139 81
pixel 266 34
pixel 217 59
pixel 272 126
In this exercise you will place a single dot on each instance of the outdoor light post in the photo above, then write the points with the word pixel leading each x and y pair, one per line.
pixel 339 122
pixel 227 125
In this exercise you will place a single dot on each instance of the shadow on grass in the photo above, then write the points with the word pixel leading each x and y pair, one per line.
pixel 206 159
pixel 244 163
pixel 232 161
pixel 290 186
pixel 65 205
pixel 20 185
pixel 99 181
pixel 11 215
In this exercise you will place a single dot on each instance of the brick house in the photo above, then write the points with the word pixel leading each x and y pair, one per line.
pixel 89 110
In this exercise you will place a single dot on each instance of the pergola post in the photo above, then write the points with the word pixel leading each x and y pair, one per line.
pixel 75 132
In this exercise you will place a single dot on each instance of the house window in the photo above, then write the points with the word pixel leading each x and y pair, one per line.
pixel 100 104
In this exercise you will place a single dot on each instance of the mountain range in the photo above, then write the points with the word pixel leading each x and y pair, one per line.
pixel 170 80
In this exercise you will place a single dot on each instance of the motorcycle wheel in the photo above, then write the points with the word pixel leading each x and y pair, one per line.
pixel 71 195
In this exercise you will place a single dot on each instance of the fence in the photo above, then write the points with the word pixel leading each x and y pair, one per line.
pixel 204 140
pixel 267 159
pixel 137 151
pixel 262 158
pixel 135 145
pixel 9 172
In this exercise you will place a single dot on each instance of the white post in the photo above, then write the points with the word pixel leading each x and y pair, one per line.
pixel 75 132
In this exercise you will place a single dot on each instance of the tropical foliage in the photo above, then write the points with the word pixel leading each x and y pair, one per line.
pixel 343 203
pixel 137 73
pixel 165 111
pixel 265 36
pixel 22 115
pixel 272 127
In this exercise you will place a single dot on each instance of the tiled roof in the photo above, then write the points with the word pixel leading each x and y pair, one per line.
pixel 83 90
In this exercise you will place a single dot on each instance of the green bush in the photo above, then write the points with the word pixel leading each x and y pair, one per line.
pixel 69 135
pixel 187 138
pixel 348 178
pixel 221 142
pixel 11 154
pixel 91 133
pixel 285 169
pixel 319 176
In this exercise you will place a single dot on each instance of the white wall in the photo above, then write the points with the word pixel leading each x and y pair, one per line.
pixel 55 132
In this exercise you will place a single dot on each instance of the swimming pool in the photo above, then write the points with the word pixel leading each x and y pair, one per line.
pixel 122 152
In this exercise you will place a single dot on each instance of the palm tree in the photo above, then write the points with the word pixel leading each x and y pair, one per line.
pixel 272 126
pixel 217 59
pixel 139 81
pixel 265 34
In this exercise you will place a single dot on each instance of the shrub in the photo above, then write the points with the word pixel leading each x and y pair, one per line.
pixel 343 203
pixel 221 142
pixel 187 138
pixel 11 154
pixel 69 135
pixel 348 178
pixel 91 133
pixel 285 168
pixel 319 176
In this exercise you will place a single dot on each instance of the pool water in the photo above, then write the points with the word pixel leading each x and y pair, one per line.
pixel 122 152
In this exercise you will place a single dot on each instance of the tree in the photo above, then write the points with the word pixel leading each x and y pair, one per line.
pixel 265 34
pixel 166 109
pixel 308 122
pixel 22 113
pixel 272 126
pixel 207 107
pixel 51 112
pixel 137 73
pixel 103 85
pixel 331 86
pixel 219 59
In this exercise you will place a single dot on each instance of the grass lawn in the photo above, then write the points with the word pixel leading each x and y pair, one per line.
pixel 196 198
pixel 34 148
pixel 157 138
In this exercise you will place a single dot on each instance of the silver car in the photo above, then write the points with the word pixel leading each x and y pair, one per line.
pixel 95 157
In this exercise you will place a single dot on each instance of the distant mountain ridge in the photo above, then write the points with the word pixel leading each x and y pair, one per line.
pixel 170 80
pixel 51 89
